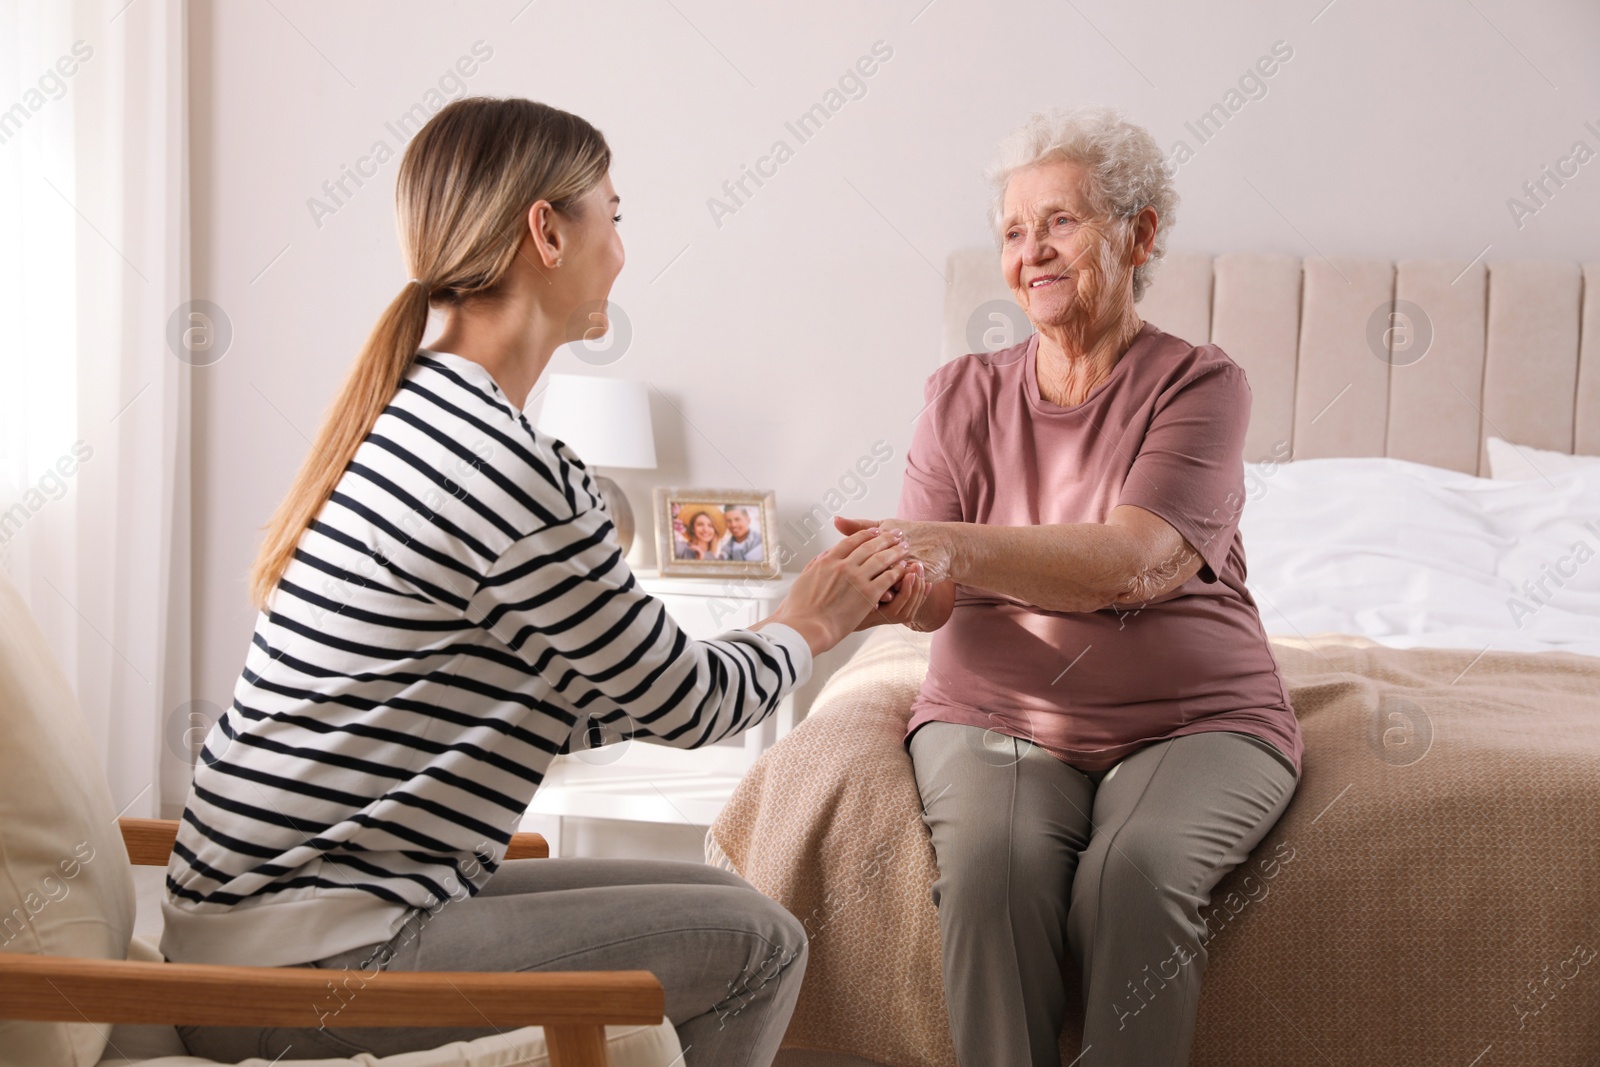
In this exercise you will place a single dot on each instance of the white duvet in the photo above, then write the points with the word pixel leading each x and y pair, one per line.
pixel 1411 555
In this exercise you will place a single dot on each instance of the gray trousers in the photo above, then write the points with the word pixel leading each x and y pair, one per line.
pixel 1038 860
pixel 729 958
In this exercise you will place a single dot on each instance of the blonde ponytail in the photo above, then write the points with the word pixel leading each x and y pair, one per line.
pixel 367 390
pixel 462 194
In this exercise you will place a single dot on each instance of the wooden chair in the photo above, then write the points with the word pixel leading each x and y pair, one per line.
pixel 574 1007
pixel 61 959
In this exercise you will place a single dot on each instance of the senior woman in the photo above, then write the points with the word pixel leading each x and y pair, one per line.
pixel 1103 732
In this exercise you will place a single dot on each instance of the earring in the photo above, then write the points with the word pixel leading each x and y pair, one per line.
pixel 558 261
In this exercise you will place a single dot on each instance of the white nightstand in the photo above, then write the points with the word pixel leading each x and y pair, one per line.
pixel 642 781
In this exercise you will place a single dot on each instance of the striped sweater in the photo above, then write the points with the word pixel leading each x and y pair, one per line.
pixel 457 615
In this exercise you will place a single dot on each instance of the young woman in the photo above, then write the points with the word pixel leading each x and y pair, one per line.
pixel 444 608
pixel 702 540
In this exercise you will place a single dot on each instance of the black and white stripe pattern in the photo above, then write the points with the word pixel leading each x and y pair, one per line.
pixel 457 615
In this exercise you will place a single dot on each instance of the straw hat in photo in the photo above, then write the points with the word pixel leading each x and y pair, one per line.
pixel 686 513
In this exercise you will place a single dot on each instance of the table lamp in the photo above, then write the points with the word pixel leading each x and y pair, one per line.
pixel 606 421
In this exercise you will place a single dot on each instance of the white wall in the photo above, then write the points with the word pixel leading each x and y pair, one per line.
pixel 798 331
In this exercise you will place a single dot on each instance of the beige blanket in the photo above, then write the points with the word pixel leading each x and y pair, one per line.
pixel 1438 899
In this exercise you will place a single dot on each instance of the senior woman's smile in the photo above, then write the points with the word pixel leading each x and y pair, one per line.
pixel 1053 254
pixel 1072 506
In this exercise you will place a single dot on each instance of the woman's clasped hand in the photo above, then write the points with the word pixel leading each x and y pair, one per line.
pixel 838 589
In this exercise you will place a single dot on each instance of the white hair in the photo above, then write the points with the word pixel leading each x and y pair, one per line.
pixel 1124 166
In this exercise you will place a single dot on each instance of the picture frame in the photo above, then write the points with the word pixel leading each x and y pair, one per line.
pixel 713 547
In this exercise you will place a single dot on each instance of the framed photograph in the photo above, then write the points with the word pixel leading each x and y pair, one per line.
pixel 708 533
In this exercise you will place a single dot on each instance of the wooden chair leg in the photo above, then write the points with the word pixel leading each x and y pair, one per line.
pixel 576 1046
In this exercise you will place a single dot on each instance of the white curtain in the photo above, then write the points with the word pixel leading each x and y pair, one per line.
pixel 94 409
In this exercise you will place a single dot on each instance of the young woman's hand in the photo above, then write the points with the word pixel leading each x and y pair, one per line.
pixel 840 586
pixel 927 542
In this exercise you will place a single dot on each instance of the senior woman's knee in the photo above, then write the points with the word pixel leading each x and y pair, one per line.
pixel 1143 869
pixel 994 873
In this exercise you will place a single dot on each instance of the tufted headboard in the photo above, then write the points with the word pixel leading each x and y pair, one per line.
pixel 1420 360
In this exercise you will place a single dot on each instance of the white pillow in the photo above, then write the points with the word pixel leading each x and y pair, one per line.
pixel 1392 550
pixel 66 888
pixel 1513 462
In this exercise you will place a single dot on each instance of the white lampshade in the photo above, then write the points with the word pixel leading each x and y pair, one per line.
pixel 606 421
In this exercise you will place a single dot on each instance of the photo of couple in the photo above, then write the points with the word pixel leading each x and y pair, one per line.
pixel 703 531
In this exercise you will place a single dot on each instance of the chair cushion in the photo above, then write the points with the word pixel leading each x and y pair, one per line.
pixel 626 1046
pixel 66 887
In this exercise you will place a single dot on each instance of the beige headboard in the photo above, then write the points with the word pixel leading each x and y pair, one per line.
pixel 1420 360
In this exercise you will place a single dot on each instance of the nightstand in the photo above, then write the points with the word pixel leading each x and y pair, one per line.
pixel 644 781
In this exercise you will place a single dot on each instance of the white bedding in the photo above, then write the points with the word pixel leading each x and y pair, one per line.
pixel 1411 556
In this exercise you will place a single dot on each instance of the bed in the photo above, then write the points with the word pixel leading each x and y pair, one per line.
pixel 1423 536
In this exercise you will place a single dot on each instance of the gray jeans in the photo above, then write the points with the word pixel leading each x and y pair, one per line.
pixel 729 958
pixel 1038 860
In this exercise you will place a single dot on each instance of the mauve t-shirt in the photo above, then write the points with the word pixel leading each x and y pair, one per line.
pixel 1165 431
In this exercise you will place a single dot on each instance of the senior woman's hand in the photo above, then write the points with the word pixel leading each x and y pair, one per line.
pixel 924 540
pixel 903 604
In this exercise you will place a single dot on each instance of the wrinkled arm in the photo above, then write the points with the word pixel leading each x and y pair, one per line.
pixel 1181 502
pixel 1134 557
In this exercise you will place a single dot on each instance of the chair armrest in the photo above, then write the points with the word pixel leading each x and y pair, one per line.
pixel 528 847
pixel 149 842
pixel 61 988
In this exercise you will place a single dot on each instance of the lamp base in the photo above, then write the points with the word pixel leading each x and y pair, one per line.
pixel 620 510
